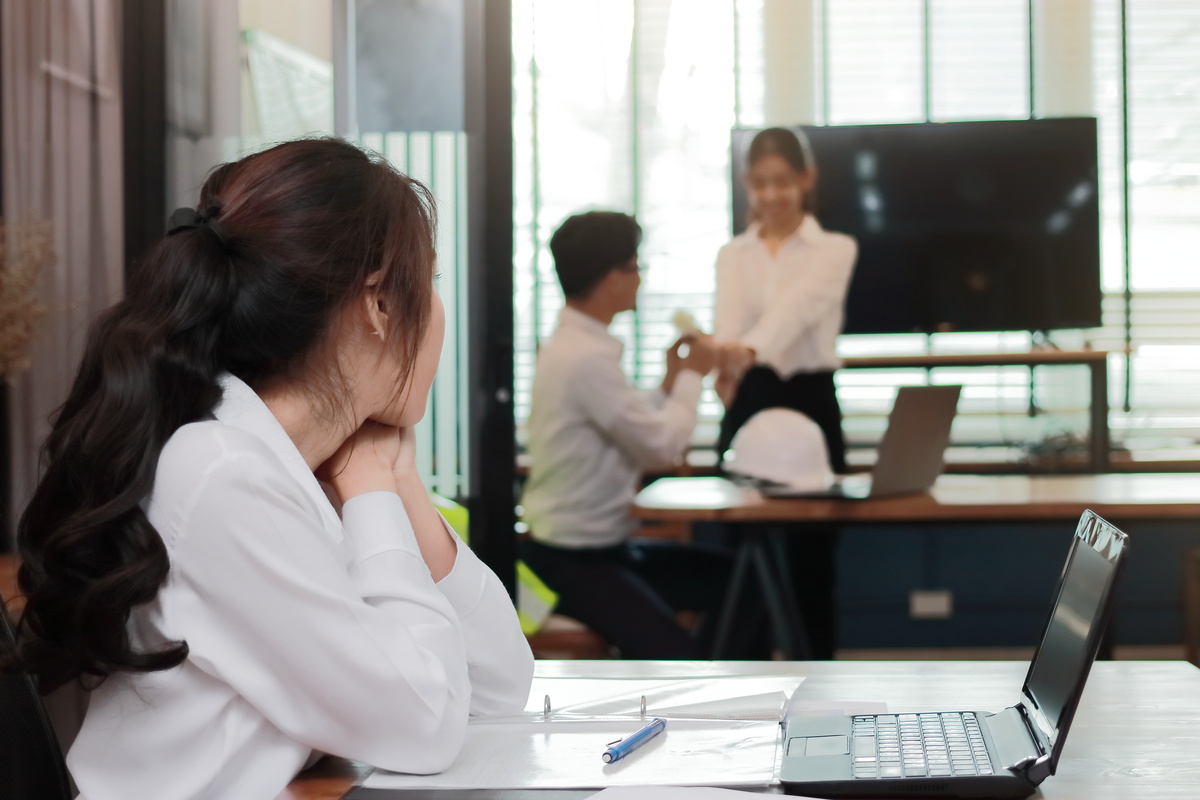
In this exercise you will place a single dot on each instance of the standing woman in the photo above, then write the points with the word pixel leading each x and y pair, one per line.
pixel 224 617
pixel 781 293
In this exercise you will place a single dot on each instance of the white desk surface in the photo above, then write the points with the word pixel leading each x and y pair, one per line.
pixel 1136 734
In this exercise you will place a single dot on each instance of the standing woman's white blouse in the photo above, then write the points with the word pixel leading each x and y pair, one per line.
pixel 307 632
pixel 789 306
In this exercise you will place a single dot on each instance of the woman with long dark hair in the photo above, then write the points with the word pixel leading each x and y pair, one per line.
pixel 225 615
pixel 781 295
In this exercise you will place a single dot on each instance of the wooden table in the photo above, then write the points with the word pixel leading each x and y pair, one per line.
pixel 8 581
pixel 1136 733
pixel 1095 360
pixel 330 779
pixel 962 498
pixel 954 498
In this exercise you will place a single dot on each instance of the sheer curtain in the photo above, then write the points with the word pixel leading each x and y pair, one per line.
pixel 62 162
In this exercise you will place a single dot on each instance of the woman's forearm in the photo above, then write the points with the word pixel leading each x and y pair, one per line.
pixel 437 547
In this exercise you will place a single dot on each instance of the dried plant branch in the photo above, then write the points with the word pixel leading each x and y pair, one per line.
pixel 25 250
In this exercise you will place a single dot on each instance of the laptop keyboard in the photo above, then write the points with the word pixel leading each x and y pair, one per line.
pixel 919 746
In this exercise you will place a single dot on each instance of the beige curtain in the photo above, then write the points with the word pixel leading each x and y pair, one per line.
pixel 62 162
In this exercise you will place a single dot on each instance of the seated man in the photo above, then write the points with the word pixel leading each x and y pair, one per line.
pixel 591 434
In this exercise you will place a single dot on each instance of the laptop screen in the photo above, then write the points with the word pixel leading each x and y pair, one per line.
pixel 1077 621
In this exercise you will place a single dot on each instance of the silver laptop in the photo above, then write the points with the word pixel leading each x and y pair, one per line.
pixel 911 454
pixel 973 753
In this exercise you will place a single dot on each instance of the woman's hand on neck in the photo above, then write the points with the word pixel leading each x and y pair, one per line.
pixel 365 462
pixel 327 402
pixel 306 423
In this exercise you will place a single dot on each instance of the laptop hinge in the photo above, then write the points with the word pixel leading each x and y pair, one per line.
pixel 1033 769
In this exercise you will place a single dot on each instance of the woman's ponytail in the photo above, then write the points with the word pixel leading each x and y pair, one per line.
pixel 90 555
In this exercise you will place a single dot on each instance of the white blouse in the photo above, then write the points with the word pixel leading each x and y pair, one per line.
pixel 307 633
pixel 789 307
pixel 591 434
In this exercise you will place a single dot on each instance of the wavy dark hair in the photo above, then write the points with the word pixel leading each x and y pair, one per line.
pixel 793 147
pixel 284 240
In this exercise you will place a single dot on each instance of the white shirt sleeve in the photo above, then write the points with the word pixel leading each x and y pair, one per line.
pixel 810 296
pixel 372 662
pixel 730 316
pixel 656 397
pixel 502 671
pixel 650 434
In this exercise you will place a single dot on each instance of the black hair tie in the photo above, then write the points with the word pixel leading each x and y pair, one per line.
pixel 186 218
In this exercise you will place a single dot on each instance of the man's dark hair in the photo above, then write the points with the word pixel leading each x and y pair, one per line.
pixel 586 247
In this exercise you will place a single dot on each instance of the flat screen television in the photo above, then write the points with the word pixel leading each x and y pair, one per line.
pixel 961 226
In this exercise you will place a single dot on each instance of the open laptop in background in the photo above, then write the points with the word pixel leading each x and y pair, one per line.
pixel 973 753
pixel 911 454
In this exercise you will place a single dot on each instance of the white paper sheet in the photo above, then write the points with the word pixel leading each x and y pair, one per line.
pixel 726 697
pixel 566 754
pixel 671 793
pixel 667 793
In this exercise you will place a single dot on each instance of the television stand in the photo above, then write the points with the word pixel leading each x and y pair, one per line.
pixel 1095 360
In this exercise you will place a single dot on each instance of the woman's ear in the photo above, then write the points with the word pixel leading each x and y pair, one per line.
pixel 376 307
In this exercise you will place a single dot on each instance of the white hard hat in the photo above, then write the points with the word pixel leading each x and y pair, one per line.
pixel 782 446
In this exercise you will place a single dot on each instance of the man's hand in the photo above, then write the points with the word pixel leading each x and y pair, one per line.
pixel 702 355
pixel 700 358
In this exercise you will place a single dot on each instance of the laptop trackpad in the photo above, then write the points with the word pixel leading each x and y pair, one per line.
pixel 819 746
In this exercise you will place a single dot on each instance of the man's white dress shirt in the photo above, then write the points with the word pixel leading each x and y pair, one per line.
pixel 788 307
pixel 591 434
pixel 307 632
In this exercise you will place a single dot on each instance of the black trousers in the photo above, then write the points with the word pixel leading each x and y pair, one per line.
pixel 629 593
pixel 811 546
pixel 811 393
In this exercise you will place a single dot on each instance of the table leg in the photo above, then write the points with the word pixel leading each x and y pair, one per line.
pixel 762 551
pixel 1099 422
pixel 781 633
pixel 777 552
pixel 743 561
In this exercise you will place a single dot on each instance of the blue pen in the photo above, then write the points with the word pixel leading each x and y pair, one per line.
pixel 623 747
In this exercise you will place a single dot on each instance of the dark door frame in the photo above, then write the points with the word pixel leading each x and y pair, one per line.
pixel 144 116
pixel 492 425
pixel 7 534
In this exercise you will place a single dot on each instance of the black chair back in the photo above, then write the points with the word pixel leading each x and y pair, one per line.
pixel 31 763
